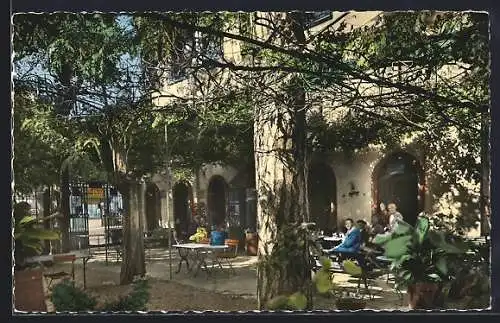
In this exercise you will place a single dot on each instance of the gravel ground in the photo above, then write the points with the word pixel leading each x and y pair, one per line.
pixel 166 295
pixel 172 296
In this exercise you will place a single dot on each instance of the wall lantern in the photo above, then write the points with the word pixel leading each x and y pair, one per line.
pixel 353 191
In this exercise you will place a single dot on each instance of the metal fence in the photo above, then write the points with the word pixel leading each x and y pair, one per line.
pixel 96 211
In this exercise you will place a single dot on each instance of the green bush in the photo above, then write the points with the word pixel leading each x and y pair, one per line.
pixel 68 298
pixel 135 301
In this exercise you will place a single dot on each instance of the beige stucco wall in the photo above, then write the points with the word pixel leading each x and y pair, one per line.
pixel 358 170
pixel 207 172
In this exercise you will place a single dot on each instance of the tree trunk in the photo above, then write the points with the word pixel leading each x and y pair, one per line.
pixel 485 174
pixel 133 262
pixel 65 209
pixel 281 189
pixel 47 211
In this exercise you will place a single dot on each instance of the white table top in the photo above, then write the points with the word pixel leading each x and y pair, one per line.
pixel 383 258
pixel 41 258
pixel 327 238
pixel 199 246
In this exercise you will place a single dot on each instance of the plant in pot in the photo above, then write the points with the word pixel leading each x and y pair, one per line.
pixel 421 260
pixel 29 237
pixel 251 242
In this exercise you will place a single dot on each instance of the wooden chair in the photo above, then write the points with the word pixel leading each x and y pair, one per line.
pixel 230 253
pixel 62 274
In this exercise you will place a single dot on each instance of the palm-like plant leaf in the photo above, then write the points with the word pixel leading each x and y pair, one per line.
pixel 37 234
pixel 381 239
pixel 297 301
pixel 322 281
pixel 27 220
pixel 422 228
pixel 442 265
pixel 402 228
pixel 397 247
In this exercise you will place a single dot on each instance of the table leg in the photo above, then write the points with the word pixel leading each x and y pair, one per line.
pixel 184 257
pixel 84 273
pixel 200 257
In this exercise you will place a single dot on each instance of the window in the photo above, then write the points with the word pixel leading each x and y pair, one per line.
pixel 315 18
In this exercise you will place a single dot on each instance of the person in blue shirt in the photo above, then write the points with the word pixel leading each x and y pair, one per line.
pixel 352 242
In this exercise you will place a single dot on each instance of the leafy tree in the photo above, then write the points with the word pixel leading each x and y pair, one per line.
pixel 363 77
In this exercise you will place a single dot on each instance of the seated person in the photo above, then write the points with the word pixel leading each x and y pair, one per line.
pixel 218 236
pixel 378 221
pixel 352 241
pixel 348 225
pixel 394 216
pixel 365 234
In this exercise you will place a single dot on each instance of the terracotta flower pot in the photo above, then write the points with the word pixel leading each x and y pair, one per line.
pixel 29 295
pixel 423 295
pixel 252 242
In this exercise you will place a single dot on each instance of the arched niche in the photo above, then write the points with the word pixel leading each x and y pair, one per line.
pixel 182 195
pixel 153 206
pixel 216 200
pixel 399 178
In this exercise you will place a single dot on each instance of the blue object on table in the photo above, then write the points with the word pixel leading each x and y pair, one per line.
pixel 217 238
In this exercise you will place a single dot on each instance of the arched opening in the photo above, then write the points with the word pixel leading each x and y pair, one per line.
pixel 216 200
pixel 322 191
pixel 182 211
pixel 153 207
pixel 399 178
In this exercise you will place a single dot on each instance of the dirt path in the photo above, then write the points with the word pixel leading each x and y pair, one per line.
pixel 199 294
pixel 172 296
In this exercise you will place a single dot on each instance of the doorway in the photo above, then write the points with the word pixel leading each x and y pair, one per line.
pixel 322 191
pixel 153 207
pixel 396 179
pixel 217 192
pixel 182 214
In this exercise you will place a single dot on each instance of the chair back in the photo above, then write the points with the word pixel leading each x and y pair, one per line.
pixel 233 245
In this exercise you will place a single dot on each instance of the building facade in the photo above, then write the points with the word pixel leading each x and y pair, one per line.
pixel 340 185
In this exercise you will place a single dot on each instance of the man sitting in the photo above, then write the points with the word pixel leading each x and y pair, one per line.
pixel 352 241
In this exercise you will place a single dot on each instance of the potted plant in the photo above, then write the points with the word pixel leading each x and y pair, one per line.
pixel 29 236
pixel 251 242
pixel 420 259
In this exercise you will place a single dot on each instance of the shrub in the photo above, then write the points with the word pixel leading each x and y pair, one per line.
pixel 135 301
pixel 68 298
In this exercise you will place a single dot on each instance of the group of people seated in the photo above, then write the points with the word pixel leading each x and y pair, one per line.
pixel 359 235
